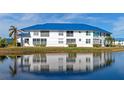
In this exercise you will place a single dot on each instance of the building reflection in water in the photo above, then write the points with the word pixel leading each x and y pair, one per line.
pixel 52 62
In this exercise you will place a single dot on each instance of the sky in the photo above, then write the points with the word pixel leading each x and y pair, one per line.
pixel 112 22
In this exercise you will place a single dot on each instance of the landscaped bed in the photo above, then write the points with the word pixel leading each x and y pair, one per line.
pixel 31 50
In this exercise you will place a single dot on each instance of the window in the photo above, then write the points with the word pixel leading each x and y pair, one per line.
pixel 44 33
pixel 95 34
pixel 43 41
pixel 96 41
pixel 69 33
pixel 71 41
pixel 60 33
pixel 34 41
pixel 79 39
pixel 87 33
pixel 88 41
pixel 60 40
pixel 27 40
pixel 36 33
pixel 37 41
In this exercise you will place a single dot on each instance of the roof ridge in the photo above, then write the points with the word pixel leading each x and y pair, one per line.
pixel 67 23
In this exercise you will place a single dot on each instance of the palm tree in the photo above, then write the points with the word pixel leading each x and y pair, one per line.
pixel 108 41
pixel 13 32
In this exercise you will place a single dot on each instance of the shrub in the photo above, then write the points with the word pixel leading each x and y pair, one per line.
pixel 96 45
pixel 72 45
pixel 3 42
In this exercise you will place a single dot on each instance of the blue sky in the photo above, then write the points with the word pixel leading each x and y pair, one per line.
pixel 113 22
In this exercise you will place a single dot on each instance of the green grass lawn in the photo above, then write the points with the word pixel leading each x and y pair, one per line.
pixel 30 50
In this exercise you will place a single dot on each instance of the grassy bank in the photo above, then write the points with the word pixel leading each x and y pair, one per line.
pixel 30 50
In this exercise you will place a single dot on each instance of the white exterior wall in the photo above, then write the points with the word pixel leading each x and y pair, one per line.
pixel 83 38
pixel 100 38
pixel 52 40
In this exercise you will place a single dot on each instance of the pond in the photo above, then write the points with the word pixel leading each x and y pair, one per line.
pixel 63 66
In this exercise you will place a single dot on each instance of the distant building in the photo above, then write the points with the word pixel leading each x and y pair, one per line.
pixel 119 41
pixel 62 35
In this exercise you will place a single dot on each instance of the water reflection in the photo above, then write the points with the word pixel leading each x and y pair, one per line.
pixel 63 62
pixel 2 58
pixel 13 67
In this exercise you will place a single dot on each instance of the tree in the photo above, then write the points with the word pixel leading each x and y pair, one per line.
pixel 3 42
pixel 13 32
pixel 109 41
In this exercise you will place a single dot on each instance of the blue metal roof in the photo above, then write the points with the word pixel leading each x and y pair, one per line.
pixel 63 26
pixel 119 39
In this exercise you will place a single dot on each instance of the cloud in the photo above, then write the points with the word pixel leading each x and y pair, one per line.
pixel 80 16
pixel 118 27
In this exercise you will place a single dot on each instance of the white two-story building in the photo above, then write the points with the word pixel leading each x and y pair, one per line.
pixel 63 34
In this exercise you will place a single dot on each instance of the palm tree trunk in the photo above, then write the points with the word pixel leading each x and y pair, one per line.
pixel 15 39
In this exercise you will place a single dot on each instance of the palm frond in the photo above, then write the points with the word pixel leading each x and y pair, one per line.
pixel 11 33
